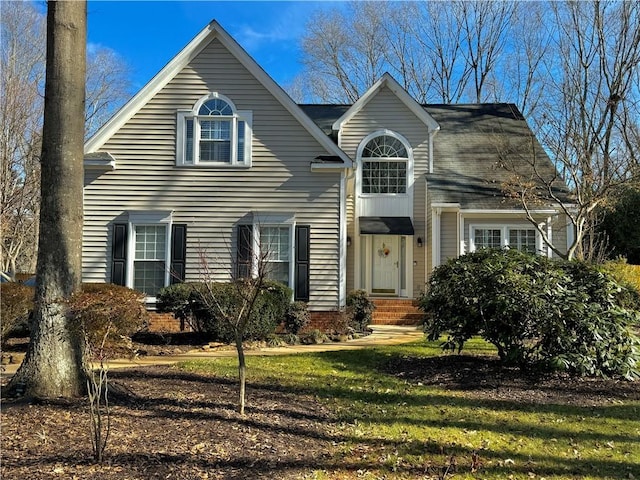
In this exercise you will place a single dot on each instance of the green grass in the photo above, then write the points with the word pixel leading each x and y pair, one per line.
pixel 391 428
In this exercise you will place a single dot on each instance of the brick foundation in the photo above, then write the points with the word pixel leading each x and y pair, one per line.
pixel 165 323
pixel 324 321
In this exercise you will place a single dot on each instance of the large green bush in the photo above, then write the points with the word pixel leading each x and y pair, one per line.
pixel 539 313
pixel 208 303
pixel 16 303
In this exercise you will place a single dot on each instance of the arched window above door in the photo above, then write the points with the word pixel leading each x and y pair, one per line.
pixel 384 157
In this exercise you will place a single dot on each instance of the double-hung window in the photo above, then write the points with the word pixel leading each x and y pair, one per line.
pixel 487 238
pixel 150 258
pixel 275 244
pixel 214 133
pixel 276 247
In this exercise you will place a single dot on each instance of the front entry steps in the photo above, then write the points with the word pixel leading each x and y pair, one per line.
pixel 396 311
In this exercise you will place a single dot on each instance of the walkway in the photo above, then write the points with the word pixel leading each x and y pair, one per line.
pixel 382 335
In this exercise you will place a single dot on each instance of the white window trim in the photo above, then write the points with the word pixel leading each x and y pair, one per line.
pixel 409 161
pixel 153 219
pixel 181 135
pixel 504 234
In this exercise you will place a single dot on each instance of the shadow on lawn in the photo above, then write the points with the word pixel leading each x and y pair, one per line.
pixel 375 370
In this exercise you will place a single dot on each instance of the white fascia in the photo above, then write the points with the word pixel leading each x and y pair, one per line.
pixel 400 92
pixel 181 60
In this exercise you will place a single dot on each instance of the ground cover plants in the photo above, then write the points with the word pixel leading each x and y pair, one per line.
pixel 389 412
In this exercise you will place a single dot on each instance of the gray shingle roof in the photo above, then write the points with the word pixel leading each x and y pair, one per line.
pixel 473 145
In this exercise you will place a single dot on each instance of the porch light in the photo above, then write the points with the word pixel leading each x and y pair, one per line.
pixel 419 242
pixel 348 241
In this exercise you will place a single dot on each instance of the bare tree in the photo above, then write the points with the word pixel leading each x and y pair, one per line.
pixel 590 121
pixel 21 81
pixel 439 51
pixel 235 303
pixel 22 45
pixel 54 364
pixel 485 26
pixel 345 51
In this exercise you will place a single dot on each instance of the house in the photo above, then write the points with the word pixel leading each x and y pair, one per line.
pixel 212 160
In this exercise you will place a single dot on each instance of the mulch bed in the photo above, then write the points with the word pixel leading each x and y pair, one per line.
pixel 483 377
pixel 171 425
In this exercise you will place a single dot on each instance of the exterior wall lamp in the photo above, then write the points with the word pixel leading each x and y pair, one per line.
pixel 348 241
pixel 419 242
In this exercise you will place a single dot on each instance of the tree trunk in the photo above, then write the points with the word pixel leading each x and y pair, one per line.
pixel 54 365
pixel 242 373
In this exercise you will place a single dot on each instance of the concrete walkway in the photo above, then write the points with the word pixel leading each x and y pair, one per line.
pixel 382 335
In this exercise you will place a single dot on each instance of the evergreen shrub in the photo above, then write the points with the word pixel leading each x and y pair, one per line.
pixel 540 313
pixel 360 310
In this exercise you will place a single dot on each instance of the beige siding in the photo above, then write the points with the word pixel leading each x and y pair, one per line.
pixel 448 236
pixel 386 111
pixel 212 201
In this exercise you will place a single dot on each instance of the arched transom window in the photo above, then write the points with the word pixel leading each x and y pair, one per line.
pixel 384 166
pixel 214 133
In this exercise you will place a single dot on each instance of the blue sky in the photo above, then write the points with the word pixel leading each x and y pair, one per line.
pixel 148 34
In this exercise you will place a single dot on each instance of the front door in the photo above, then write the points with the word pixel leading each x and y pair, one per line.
pixel 385 265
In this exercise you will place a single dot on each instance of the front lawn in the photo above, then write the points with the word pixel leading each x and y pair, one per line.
pixel 401 412
pixel 410 412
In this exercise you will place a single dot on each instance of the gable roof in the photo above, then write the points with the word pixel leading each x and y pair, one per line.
pixel 466 153
pixel 181 60
pixel 387 81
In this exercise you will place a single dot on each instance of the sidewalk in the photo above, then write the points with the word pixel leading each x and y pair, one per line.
pixel 382 335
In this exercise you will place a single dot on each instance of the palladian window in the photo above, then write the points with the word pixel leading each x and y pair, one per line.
pixel 214 133
pixel 384 166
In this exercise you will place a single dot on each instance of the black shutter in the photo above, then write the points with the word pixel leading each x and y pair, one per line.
pixel 302 263
pixel 244 251
pixel 119 254
pixel 178 253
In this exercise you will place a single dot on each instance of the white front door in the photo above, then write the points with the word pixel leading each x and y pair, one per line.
pixel 385 264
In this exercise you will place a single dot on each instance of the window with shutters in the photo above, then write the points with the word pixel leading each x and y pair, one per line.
pixel 148 252
pixel 282 251
pixel 214 133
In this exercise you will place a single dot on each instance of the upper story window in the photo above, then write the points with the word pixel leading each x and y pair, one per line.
pixel 385 165
pixel 214 133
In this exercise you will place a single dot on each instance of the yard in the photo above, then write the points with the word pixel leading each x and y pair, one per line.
pixel 389 412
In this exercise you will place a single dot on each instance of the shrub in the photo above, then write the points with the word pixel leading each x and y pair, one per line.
pixel 16 303
pixel 539 313
pixel 628 276
pixel 105 309
pixel 296 317
pixel 267 314
pixel 360 309
pixel 177 299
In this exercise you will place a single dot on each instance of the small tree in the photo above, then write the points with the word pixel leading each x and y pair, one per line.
pixel 237 310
